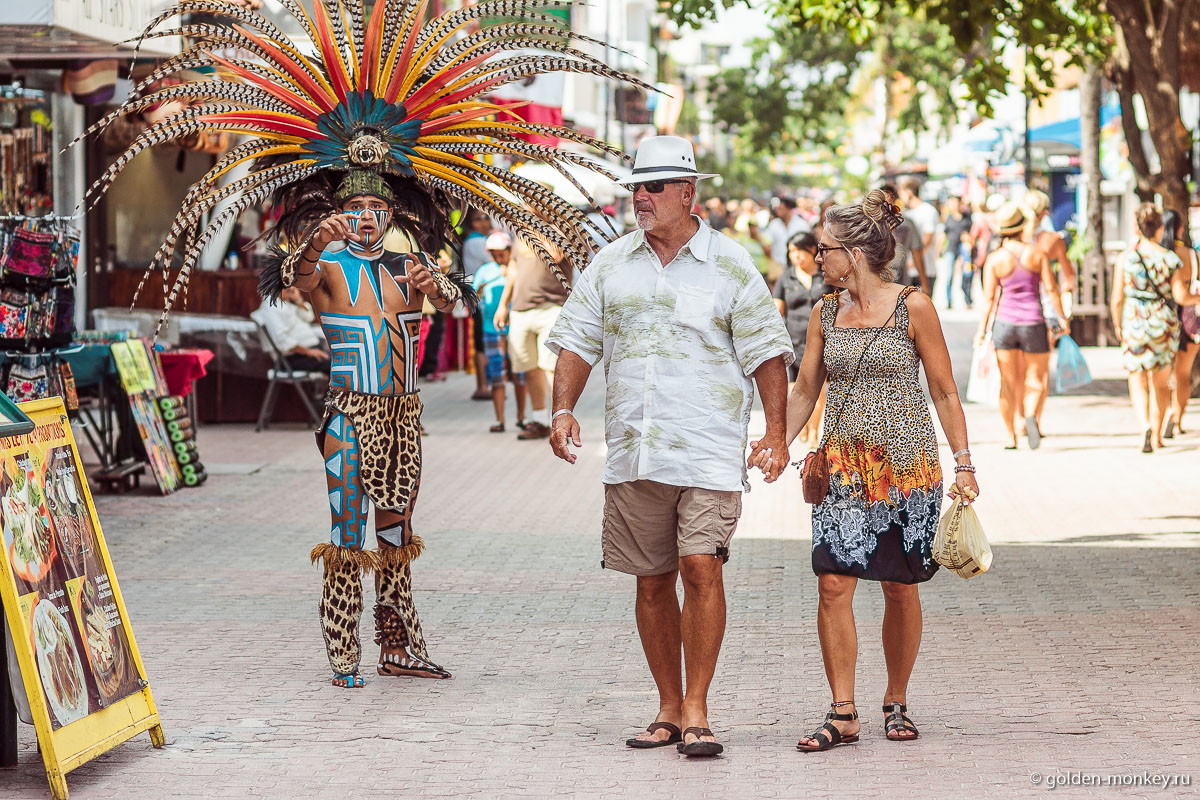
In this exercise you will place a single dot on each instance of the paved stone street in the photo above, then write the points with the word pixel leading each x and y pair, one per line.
pixel 1077 652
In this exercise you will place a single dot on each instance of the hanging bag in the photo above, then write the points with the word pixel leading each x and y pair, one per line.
pixel 31 254
pixel 1071 370
pixel 960 544
pixel 814 471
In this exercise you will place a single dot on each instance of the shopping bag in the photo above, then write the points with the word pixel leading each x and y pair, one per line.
pixel 983 384
pixel 1071 370
pixel 960 544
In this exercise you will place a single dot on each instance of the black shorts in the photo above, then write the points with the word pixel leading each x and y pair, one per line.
pixel 1026 338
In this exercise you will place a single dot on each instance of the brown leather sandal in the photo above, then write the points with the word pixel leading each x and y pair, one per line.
pixel 898 721
pixel 699 747
pixel 648 744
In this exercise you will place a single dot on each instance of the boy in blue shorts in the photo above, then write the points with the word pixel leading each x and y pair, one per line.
pixel 489 284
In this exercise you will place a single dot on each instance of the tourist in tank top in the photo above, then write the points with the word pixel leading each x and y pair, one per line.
pixel 1013 278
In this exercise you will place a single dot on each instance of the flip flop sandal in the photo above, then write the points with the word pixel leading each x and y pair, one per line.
pixel 828 734
pixel 644 744
pixel 353 680
pixel 1033 433
pixel 897 720
pixel 699 747
pixel 395 665
pixel 497 428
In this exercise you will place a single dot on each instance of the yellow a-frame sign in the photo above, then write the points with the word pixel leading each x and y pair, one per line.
pixel 80 666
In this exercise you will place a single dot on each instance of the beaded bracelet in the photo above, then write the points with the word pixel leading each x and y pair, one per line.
pixel 964 468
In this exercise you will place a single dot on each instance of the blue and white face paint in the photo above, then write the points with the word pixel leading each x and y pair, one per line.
pixel 372 243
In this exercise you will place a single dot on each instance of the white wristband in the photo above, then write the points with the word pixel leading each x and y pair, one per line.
pixel 560 412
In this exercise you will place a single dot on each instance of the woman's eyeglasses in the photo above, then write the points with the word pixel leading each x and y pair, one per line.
pixel 822 249
pixel 655 187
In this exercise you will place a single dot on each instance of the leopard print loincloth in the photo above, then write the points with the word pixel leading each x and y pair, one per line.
pixel 388 428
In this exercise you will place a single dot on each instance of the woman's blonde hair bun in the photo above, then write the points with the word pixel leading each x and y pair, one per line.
pixel 878 208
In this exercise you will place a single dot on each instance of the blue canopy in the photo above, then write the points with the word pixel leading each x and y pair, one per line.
pixel 1067 131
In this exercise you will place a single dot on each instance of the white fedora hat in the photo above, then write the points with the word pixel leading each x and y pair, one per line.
pixel 664 158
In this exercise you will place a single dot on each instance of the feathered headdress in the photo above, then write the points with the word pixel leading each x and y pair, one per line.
pixel 392 92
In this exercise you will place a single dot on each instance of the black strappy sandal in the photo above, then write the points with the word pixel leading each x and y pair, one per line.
pixel 897 720
pixel 828 734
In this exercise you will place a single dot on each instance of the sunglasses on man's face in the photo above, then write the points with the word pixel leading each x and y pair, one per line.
pixel 656 187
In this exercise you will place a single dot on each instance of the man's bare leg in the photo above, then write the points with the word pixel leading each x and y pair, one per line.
pixel 703 628
pixel 658 622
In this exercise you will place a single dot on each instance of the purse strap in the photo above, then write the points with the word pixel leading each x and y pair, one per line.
pixel 858 366
pixel 1154 284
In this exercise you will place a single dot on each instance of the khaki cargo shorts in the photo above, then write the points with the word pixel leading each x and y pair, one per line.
pixel 649 526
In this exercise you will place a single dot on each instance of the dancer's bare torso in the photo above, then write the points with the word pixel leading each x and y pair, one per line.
pixel 372 322
pixel 368 299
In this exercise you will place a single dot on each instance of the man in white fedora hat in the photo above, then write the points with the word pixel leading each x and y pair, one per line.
pixel 685 327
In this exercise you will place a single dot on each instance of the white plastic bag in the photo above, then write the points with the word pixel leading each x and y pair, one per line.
pixel 960 544
pixel 983 384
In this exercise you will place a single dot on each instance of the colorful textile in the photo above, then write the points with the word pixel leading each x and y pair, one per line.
pixel 182 368
pixel 488 282
pixel 1149 326
pixel 679 344
pixel 885 485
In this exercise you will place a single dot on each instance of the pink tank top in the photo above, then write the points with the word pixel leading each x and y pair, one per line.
pixel 1021 299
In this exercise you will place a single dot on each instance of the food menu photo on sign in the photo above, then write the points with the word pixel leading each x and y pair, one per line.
pixel 63 590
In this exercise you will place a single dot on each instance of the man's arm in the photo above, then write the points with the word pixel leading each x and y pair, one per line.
pixel 570 376
pixel 771 379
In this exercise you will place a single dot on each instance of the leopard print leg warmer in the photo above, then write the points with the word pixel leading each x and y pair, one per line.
pixel 342 603
pixel 396 619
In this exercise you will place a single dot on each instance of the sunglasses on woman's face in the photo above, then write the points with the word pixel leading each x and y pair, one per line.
pixel 656 187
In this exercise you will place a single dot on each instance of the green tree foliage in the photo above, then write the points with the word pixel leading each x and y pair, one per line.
pixel 801 81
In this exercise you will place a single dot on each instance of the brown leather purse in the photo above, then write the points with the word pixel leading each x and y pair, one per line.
pixel 814 472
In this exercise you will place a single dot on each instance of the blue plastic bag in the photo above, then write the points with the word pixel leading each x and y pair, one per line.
pixel 1071 371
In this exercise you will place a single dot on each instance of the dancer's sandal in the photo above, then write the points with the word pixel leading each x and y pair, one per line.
pixel 699 747
pixel 897 721
pixel 828 735
pixel 350 680
pixel 647 744
pixel 393 665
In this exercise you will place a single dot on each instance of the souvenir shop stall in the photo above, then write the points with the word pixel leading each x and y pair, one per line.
pixel 126 398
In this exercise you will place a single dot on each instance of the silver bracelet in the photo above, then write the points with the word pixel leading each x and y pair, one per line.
pixel 960 453
pixel 560 412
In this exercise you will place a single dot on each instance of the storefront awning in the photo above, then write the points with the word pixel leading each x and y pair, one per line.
pixel 62 30
pixel 1065 136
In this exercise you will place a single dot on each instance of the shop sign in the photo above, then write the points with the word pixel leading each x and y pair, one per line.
pixel 83 680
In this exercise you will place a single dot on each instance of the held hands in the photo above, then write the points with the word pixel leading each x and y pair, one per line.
pixel 563 430
pixel 334 229
pixel 769 454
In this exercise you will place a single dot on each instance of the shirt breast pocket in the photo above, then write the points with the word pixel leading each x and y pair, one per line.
pixel 695 306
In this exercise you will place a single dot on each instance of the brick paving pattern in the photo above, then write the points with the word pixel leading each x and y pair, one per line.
pixel 1077 652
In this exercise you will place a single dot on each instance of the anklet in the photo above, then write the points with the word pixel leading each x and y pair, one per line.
pixel 841 703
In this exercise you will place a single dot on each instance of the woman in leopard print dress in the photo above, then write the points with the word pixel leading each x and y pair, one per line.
pixel 880 515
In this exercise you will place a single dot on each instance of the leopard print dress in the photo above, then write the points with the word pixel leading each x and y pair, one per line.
pixel 885 490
